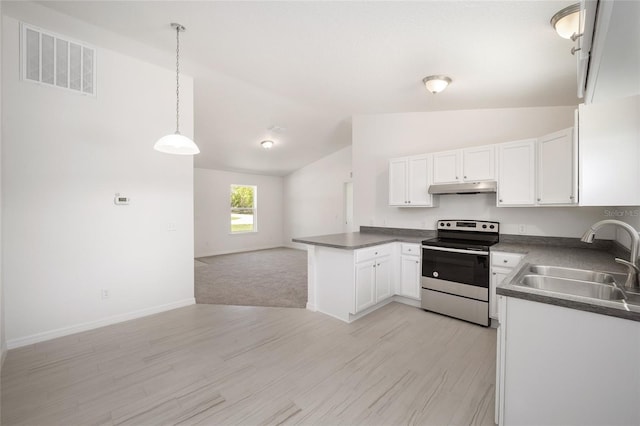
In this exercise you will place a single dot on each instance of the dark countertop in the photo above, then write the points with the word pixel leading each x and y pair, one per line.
pixel 579 258
pixel 566 252
pixel 356 240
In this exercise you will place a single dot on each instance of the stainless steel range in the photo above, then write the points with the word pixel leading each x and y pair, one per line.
pixel 455 269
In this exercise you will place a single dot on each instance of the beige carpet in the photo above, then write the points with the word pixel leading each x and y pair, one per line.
pixel 275 277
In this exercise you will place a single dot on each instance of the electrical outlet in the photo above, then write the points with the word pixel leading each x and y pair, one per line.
pixel 522 229
pixel 105 293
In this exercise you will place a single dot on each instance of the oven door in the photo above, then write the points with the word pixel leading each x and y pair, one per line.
pixel 456 265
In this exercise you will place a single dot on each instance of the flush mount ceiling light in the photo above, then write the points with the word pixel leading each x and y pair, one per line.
pixel 176 143
pixel 567 21
pixel 267 144
pixel 436 83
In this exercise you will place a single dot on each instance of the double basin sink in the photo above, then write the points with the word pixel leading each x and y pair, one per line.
pixel 577 282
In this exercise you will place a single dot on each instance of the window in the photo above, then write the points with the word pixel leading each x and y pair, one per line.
pixel 243 208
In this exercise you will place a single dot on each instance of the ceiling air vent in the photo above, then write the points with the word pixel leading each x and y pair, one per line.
pixel 57 61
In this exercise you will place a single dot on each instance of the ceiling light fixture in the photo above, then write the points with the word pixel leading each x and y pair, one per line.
pixel 436 83
pixel 567 21
pixel 176 143
pixel 267 144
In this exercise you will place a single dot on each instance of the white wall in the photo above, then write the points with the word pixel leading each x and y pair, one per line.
pixel 376 138
pixel 212 214
pixel 3 339
pixel 64 158
pixel 314 197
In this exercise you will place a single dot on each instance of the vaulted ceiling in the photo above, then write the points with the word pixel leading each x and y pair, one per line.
pixel 307 67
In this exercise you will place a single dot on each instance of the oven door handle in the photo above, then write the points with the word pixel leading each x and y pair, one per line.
pixel 454 250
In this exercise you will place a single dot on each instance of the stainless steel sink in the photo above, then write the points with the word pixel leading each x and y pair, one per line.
pixel 574 287
pixel 574 274
pixel 597 285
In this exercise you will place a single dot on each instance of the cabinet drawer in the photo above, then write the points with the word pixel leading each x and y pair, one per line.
pixel 505 260
pixel 372 252
pixel 411 249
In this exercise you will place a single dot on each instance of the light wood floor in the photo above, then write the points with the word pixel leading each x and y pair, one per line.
pixel 224 365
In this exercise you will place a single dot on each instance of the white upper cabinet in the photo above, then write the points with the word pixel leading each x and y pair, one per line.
pixel 516 173
pixel 478 163
pixel 609 155
pixel 447 166
pixel 409 181
pixel 557 168
pixel 398 169
pixel 464 165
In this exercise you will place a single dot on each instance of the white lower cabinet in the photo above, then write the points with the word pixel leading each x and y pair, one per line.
pixel 501 265
pixel 410 277
pixel 562 366
pixel 365 285
pixel 373 281
pixel 347 283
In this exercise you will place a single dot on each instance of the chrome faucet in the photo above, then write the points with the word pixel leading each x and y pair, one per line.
pixel 633 278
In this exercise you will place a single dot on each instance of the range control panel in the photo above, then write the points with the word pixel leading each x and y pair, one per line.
pixel 469 225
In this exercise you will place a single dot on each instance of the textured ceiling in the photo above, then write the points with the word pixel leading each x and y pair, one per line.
pixel 309 66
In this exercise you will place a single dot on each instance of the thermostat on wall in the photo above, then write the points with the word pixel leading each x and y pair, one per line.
pixel 121 200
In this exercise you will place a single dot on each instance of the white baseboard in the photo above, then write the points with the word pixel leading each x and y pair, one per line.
pixel 312 307
pixel 65 331
pixel 242 250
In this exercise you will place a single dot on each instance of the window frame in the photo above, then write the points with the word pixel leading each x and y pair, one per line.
pixel 254 209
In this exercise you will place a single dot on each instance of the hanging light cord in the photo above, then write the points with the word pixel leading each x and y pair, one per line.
pixel 177 79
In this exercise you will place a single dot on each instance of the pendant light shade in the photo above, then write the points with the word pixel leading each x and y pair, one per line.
pixel 176 143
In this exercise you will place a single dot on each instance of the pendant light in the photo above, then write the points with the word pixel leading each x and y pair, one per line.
pixel 176 143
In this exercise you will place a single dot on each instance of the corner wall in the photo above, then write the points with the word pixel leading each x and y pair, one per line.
pixel 212 215
pixel 65 156
pixel 314 198
pixel 3 338
pixel 377 138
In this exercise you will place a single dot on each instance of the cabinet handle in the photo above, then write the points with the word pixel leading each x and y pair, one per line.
pixel 500 200
pixel 571 198
pixel 417 261
pixel 376 253
pixel 539 199
pixel 494 273
pixel 505 261
pixel 378 264
pixel 465 177
pixel 456 177
pixel 374 265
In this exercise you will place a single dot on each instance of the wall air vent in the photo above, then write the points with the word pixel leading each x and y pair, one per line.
pixel 57 61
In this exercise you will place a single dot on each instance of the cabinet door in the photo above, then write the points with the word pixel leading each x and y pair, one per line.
pixel 478 163
pixel 398 182
pixel 418 184
pixel 410 277
pixel 497 276
pixel 610 153
pixel 446 167
pixel 365 285
pixel 516 173
pixel 383 278
pixel 556 166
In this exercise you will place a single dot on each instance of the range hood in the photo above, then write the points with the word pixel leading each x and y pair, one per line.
pixel 464 188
